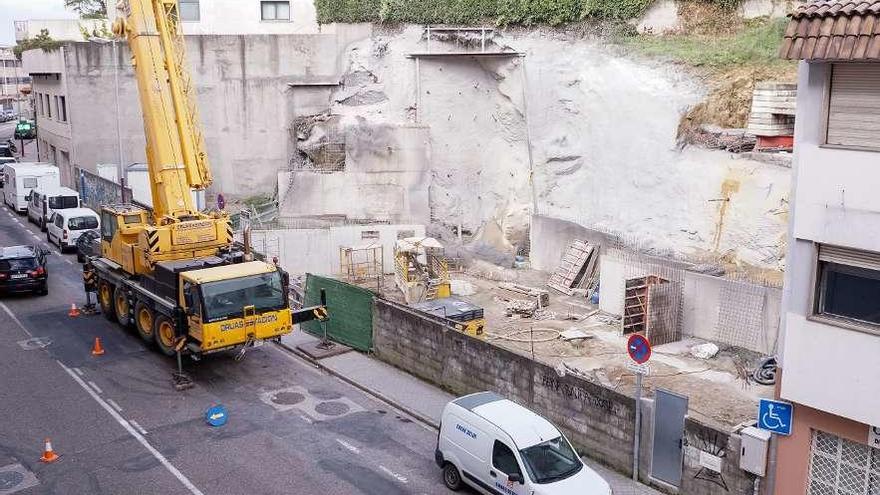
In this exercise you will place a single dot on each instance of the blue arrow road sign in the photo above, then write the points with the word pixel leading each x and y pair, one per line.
pixel 216 416
pixel 775 416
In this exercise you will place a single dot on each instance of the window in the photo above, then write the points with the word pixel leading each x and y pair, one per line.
pixel 189 10
pixel 57 108
pixel 847 284
pixel 842 467
pixel 40 104
pixel 275 11
pixel 108 226
pixel 551 461
pixel 227 298
pixel 370 234
pixel 854 106
pixel 63 202
pixel 62 108
pixel 59 222
pixel 29 182
pixel 82 223
pixel 48 107
pixel 504 460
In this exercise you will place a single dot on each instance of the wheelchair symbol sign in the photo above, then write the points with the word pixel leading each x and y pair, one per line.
pixel 775 416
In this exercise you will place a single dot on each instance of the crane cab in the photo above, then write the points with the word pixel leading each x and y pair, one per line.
pixel 120 227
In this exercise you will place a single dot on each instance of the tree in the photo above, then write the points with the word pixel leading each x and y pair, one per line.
pixel 88 9
pixel 42 40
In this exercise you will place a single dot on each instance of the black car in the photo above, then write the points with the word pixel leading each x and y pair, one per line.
pixel 23 269
pixel 87 245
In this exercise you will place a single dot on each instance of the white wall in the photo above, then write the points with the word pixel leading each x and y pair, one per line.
pixel 836 202
pixel 59 29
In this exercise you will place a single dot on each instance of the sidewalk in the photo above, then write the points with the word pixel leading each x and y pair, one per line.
pixel 417 398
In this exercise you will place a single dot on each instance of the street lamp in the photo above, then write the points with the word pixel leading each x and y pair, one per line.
pixel 119 167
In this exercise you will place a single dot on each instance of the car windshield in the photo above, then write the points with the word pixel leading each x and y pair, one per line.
pixel 18 264
pixel 82 223
pixel 551 461
pixel 227 298
pixel 63 202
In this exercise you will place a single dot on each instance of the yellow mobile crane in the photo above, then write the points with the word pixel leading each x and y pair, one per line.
pixel 174 273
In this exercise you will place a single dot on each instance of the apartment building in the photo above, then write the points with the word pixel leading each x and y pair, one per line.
pixel 831 302
pixel 50 100
pixel 12 80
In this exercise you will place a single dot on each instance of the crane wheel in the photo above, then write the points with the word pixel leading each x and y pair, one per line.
pixel 122 307
pixel 143 321
pixel 164 334
pixel 105 299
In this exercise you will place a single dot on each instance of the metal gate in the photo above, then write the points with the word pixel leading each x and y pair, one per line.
pixel 666 455
pixel 350 308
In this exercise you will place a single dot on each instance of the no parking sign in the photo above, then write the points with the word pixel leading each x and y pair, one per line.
pixel 639 348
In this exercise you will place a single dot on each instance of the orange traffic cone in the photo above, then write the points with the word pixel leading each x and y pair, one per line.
pixel 97 350
pixel 74 311
pixel 49 455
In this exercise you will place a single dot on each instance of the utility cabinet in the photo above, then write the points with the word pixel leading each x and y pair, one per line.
pixel 753 450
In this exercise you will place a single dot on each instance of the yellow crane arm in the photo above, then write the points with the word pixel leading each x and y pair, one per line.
pixel 176 155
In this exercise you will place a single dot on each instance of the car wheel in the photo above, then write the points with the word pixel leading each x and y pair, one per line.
pixel 105 299
pixel 44 291
pixel 122 307
pixel 451 477
pixel 143 320
pixel 164 334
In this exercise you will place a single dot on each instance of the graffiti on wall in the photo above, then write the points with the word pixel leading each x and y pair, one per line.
pixel 574 392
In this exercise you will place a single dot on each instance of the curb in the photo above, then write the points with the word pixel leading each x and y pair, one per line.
pixel 375 393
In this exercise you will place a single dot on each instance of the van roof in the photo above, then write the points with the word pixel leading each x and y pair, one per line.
pixel 77 212
pixel 524 426
pixel 28 166
pixel 56 191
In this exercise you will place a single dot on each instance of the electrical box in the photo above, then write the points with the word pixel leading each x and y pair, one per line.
pixel 753 450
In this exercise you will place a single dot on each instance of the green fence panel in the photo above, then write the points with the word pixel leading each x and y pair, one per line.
pixel 350 308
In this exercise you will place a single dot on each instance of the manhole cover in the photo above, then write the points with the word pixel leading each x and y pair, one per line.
pixel 332 408
pixel 325 394
pixel 10 479
pixel 288 398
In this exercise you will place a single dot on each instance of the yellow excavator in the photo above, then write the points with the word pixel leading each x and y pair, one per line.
pixel 174 272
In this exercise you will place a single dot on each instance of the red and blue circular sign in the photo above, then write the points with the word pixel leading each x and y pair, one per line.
pixel 639 348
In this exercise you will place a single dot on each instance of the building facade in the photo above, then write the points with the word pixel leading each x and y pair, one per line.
pixel 831 301
pixel 51 108
pixel 12 80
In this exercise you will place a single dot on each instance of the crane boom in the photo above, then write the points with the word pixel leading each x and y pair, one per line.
pixel 176 154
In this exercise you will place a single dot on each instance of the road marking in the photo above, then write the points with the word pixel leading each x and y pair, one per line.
pixel 306 419
pixel 6 308
pixel 112 403
pixel 96 388
pixel 35 236
pixel 138 426
pixel 348 446
pixel 79 371
pixel 131 430
pixel 394 475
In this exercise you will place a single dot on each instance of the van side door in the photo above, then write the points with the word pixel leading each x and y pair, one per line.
pixel 505 473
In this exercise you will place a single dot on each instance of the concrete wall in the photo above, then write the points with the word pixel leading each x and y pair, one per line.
pixel 828 367
pixel 712 308
pixel 316 250
pixel 243 97
pixel 550 237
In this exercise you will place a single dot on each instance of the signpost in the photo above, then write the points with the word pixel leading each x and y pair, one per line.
pixel 775 416
pixel 639 349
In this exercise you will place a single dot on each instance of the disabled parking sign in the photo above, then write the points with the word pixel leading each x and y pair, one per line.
pixel 775 416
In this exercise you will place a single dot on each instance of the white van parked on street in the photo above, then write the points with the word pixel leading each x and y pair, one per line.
pixel 43 202
pixel 20 178
pixel 499 447
pixel 65 226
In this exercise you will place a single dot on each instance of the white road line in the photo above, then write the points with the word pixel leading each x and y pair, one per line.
pixel 137 435
pixel 79 371
pixel 306 419
pixel 112 403
pixel 35 236
pixel 138 426
pixel 6 308
pixel 394 475
pixel 348 446
pixel 96 388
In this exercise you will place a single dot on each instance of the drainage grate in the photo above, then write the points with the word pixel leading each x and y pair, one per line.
pixel 14 478
pixel 332 408
pixel 288 398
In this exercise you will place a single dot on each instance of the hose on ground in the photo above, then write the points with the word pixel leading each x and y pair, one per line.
pixel 553 335
pixel 765 373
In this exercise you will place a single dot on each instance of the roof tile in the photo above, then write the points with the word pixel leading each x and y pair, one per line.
pixel 833 30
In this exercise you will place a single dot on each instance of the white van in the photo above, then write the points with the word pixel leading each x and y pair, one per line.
pixel 20 178
pixel 42 203
pixel 65 226
pixel 499 447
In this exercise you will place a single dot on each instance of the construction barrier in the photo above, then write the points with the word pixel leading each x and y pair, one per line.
pixel 350 308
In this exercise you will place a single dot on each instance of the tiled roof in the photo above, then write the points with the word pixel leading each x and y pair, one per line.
pixel 833 30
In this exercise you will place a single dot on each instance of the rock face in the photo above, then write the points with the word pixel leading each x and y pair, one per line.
pixel 570 130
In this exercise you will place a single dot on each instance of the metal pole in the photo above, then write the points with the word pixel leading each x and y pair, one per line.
pixel 638 432
pixel 119 167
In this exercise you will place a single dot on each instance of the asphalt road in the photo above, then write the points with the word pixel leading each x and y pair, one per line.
pixel 120 427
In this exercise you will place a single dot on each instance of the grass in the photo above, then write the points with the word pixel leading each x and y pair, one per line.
pixel 756 43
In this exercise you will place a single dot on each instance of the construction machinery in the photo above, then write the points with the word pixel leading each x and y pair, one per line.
pixel 420 269
pixel 174 272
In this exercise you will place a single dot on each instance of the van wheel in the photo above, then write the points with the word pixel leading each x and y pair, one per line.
pixel 163 331
pixel 143 320
pixel 451 477
pixel 105 299
pixel 122 307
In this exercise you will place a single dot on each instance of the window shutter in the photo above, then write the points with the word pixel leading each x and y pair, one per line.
pixel 851 257
pixel 854 110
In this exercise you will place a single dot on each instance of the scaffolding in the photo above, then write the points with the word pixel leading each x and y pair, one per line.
pixel 363 265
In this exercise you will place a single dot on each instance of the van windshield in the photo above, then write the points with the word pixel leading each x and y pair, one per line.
pixel 82 223
pixel 63 202
pixel 551 461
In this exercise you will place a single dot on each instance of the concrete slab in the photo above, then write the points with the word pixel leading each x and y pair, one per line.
pixel 315 351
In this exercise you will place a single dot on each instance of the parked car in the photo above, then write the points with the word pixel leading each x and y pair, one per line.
pixel 8 149
pixel 23 269
pixel 66 226
pixel 498 446
pixel 88 245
